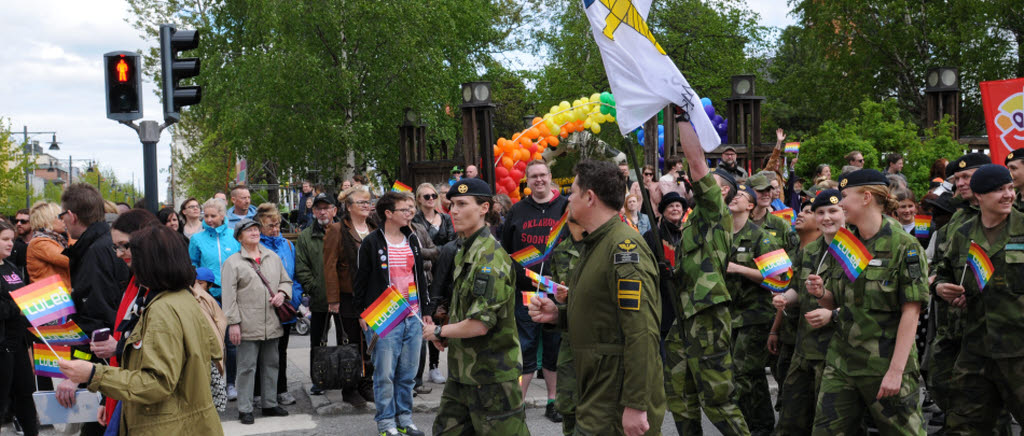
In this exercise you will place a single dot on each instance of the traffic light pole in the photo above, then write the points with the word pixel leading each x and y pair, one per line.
pixel 149 134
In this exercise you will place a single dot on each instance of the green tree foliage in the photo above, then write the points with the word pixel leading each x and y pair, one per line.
pixel 13 167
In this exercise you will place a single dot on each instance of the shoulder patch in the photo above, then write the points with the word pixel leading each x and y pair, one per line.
pixel 626 257
pixel 629 294
pixel 627 245
pixel 486 270
pixel 913 264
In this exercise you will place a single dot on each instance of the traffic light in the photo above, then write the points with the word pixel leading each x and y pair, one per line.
pixel 174 69
pixel 123 85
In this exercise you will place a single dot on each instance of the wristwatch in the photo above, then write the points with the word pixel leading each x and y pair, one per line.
pixel 437 331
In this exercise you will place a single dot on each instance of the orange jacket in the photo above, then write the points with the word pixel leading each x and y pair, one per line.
pixel 45 257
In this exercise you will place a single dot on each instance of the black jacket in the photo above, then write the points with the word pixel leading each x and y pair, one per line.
pixel 98 278
pixel 528 223
pixel 440 235
pixel 444 266
pixel 656 239
pixel 13 325
pixel 372 276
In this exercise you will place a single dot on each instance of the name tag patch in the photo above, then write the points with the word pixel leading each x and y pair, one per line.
pixel 1015 246
pixel 627 257
pixel 629 294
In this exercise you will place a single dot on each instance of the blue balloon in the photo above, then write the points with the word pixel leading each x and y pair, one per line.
pixel 705 102
pixel 661 129
pixel 661 142
pixel 716 119
pixel 710 110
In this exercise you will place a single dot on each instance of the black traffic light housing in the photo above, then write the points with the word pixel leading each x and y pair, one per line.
pixel 123 85
pixel 174 69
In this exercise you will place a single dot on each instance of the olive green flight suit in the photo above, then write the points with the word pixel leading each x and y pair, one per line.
pixel 563 260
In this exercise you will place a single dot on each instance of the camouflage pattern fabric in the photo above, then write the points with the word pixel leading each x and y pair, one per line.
pixel 487 409
pixel 986 387
pixel 563 261
pixel 781 231
pixel 703 251
pixel 844 399
pixel 483 290
pixel 751 304
pixel 613 317
pixel 812 344
pixel 799 395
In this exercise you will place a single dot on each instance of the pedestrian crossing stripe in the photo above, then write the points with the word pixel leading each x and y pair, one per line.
pixel 629 294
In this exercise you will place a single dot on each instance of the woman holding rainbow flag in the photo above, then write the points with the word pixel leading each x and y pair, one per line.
pixel 871 365
pixel 15 366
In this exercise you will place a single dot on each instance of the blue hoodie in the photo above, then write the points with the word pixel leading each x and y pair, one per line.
pixel 210 248
pixel 231 219
pixel 286 251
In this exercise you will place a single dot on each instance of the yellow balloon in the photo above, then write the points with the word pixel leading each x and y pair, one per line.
pixel 598 118
pixel 552 127
pixel 595 98
pixel 576 103
pixel 581 114
pixel 584 100
pixel 609 119
pixel 587 123
pixel 596 128
pixel 563 106
pixel 553 110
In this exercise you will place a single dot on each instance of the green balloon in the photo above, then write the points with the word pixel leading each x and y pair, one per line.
pixel 605 109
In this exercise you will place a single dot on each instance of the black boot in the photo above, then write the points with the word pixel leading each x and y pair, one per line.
pixel 689 427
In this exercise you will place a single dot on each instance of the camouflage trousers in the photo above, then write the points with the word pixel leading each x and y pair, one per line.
pixel 699 373
pixel 750 355
pixel 843 400
pixel 565 399
pixel 940 358
pixel 798 394
pixel 985 388
pixel 481 409
pixel 780 368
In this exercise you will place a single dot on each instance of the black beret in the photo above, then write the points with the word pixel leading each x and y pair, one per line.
pixel 744 187
pixel 728 177
pixel 970 160
pixel 990 177
pixel 828 197
pixel 1014 155
pixel 943 202
pixel 671 197
pixel 863 178
pixel 471 186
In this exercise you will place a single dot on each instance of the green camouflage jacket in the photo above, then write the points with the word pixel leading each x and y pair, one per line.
pixel 811 344
pixel 564 259
pixel 948 322
pixel 994 320
pixel 871 306
pixel 483 290
pixel 781 231
pixel 751 303
pixel 703 251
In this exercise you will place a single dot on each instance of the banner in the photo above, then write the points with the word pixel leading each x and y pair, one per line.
pixel 1003 101
pixel 642 77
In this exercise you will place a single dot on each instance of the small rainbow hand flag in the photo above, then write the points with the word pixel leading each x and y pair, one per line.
pixel 46 361
pixel 530 296
pixel 386 312
pixel 400 187
pixel 528 256
pixel 44 301
pixel 922 224
pixel 774 263
pixel 980 265
pixel 786 214
pixel 556 230
pixel 545 283
pixel 792 147
pixel 66 334
pixel 414 295
pixel 779 283
pixel 687 215
pixel 850 253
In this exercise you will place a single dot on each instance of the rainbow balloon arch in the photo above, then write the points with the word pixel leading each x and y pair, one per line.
pixel 565 118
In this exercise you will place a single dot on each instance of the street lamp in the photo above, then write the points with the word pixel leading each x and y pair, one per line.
pixel 30 149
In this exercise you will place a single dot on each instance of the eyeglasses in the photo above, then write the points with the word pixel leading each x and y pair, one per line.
pixel 121 248
pixel 194 206
pixel 21 221
pixel 649 174
pixel 276 225
pixel 61 216
pixel 363 202
pixel 429 196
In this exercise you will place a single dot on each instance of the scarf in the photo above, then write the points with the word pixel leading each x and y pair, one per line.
pixel 46 233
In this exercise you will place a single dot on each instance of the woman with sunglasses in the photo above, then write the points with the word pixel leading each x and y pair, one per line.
pixel 438 224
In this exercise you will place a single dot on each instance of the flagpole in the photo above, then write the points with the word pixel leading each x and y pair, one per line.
pixel 963 274
pixel 818 269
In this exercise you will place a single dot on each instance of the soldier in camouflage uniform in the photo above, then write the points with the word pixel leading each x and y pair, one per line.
pixel 481 395
pixel 612 314
pixel 698 361
pixel 1015 163
pixel 563 262
pixel 871 365
pixel 777 228
pixel 799 391
pixel 989 371
pixel 752 314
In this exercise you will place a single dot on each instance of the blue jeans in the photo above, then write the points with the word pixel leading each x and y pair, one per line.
pixel 395 359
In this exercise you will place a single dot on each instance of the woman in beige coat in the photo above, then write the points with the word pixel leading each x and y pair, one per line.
pixel 253 326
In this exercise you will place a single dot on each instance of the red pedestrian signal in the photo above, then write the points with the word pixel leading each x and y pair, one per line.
pixel 122 70
pixel 123 85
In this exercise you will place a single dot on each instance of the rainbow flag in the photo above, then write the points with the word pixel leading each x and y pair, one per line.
pixel 44 301
pixel 528 256
pixel 922 224
pixel 530 296
pixel 786 214
pixel 400 187
pixel 778 284
pixel 792 147
pixel 545 283
pixel 850 252
pixel 555 232
pixel 686 216
pixel 980 265
pixel 46 361
pixel 414 295
pixel 66 334
pixel 386 312
pixel 774 263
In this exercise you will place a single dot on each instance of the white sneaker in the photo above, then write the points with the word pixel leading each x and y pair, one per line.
pixel 285 399
pixel 232 393
pixel 436 376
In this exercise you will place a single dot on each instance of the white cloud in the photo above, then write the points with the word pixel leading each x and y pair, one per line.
pixel 773 12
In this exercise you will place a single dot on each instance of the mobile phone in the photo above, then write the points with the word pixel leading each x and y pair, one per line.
pixel 100 335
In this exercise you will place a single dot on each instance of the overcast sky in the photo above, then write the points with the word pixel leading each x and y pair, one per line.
pixel 51 78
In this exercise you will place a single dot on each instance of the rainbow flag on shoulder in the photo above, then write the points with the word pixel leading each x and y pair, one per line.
pixel 774 263
pixel 852 255
pixel 386 312
pixel 46 361
pixel 400 187
pixel 980 264
pixel 67 334
pixel 44 301
pixel 922 225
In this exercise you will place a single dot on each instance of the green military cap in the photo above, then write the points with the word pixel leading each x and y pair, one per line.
pixel 471 186
pixel 1014 155
pixel 863 178
pixel 759 181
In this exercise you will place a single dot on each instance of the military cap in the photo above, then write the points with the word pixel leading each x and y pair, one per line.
pixel 969 161
pixel 472 186
pixel 828 197
pixel 746 189
pixel 863 178
pixel 245 223
pixel 727 177
pixel 456 169
pixel 759 182
pixel 729 148
pixel 943 202
pixel 1014 155
pixel 671 197
pixel 989 177
pixel 323 198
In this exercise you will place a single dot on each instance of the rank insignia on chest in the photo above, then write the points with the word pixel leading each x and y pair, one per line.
pixel 627 245
pixel 626 257
pixel 629 294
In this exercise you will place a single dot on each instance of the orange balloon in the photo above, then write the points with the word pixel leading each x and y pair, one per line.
pixel 501 142
pixel 537 120
pixel 524 139
pixel 537 156
pixel 525 154
pixel 497 150
pixel 544 131
pixel 507 162
pixel 527 191
pixel 579 125
pixel 553 141
pixel 543 141
pixel 508 147
pixel 533 133
pixel 564 134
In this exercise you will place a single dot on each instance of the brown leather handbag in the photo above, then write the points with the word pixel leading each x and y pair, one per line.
pixel 285 312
